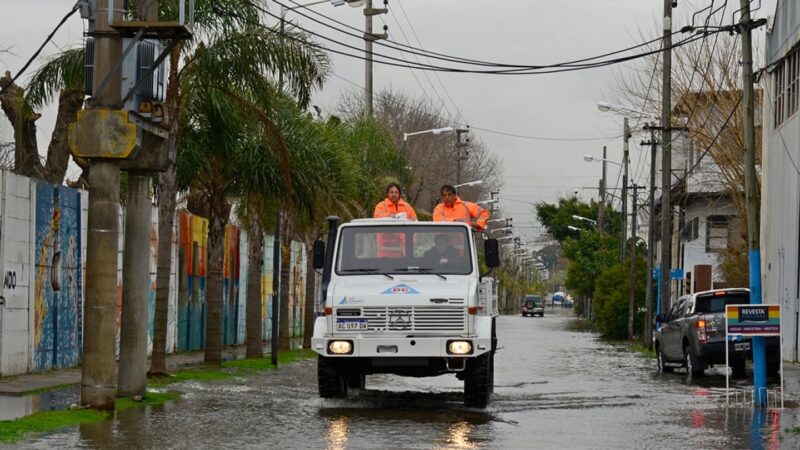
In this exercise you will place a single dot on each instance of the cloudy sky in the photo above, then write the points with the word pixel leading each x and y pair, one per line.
pixel 558 107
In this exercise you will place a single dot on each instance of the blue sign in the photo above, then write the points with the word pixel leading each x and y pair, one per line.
pixel 676 274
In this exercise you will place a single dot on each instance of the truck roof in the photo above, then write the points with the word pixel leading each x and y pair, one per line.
pixel 395 221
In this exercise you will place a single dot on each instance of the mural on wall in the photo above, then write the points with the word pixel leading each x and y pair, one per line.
pixel 267 288
pixel 58 300
pixel 192 258
pixel 244 263
pixel 230 285
pixel 297 284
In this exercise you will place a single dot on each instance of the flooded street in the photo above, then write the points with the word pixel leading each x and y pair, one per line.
pixel 554 388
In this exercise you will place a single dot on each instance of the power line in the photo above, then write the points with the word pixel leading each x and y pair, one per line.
pixel 39 50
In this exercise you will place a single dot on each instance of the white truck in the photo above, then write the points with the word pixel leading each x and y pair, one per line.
pixel 406 298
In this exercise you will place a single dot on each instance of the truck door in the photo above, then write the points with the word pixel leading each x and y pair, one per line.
pixel 671 335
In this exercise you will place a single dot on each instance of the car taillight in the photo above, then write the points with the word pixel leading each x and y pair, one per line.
pixel 700 328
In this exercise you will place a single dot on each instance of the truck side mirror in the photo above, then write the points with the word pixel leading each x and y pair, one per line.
pixel 319 254
pixel 491 251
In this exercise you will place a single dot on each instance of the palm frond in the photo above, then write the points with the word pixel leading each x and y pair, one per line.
pixel 63 71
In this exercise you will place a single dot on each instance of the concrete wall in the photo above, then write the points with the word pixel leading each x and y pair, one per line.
pixel 43 233
pixel 694 251
pixel 780 202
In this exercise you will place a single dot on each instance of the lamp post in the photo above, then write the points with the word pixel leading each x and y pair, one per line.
pixel 585 219
pixel 624 166
pixel 433 131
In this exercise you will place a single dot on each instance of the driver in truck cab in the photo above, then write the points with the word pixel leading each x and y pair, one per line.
pixel 453 209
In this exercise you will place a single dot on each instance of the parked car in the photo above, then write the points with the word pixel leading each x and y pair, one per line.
pixel 692 335
pixel 532 305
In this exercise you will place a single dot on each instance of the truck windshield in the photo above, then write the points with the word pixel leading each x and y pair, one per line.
pixel 715 303
pixel 433 250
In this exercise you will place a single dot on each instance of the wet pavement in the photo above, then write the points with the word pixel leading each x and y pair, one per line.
pixel 554 388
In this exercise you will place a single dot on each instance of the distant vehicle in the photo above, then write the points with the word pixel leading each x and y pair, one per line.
pixel 532 305
pixel 692 335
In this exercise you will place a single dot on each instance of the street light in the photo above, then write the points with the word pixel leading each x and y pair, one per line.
pixel 499 219
pixel 585 219
pixel 470 183
pixel 434 131
pixel 488 202
pixel 499 229
pixel 574 228
pixel 591 158
pixel 510 236
pixel 606 106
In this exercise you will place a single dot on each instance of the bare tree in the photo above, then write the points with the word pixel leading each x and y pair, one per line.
pixel 433 158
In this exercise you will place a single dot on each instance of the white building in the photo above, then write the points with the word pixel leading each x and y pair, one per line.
pixel 780 193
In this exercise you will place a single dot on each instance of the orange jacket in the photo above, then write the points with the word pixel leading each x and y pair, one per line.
pixel 388 209
pixel 462 211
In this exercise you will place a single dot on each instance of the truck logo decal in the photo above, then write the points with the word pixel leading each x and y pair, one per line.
pixel 343 301
pixel 399 319
pixel 400 289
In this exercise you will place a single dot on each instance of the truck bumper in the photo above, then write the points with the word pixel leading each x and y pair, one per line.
pixel 393 347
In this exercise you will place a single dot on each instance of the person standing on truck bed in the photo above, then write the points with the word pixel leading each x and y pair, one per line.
pixel 453 209
pixel 394 205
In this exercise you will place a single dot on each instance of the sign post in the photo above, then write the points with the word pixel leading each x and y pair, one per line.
pixel 752 320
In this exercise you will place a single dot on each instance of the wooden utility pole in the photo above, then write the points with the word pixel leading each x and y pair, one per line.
pixel 98 387
pixel 651 238
pixel 369 38
pixel 666 160
pixel 601 207
pixel 752 201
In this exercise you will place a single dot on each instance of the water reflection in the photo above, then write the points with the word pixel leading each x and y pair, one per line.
pixel 743 426
pixel 459 435
pixel 337 433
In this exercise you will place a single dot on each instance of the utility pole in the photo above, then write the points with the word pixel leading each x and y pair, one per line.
pixel 136 268
pixel 98 386
pixel 648 322
pixel 459 145
pixel 625 157
pixel 601 207
pixel 369 38
pixel 752 200
pixel 632 288
pixel 666 160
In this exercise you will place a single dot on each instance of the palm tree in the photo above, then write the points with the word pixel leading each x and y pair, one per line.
pixel 227 128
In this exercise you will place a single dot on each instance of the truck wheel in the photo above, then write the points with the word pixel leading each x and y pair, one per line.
pixel 694 367
pixel 332 383
pixel 477 389
pixel 660 362
pixel 738 368
pixel 356 380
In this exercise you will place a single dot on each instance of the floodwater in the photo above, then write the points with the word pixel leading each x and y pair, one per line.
pixel 554 388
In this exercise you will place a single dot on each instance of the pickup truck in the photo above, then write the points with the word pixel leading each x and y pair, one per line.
pixel 692 335
pixel 405 298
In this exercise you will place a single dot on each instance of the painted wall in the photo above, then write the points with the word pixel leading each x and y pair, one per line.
pixel 192 259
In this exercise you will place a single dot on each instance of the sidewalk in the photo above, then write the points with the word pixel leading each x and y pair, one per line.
pixel 20 384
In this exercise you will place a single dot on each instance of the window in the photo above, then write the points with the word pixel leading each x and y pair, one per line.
pixel 404 249
pixel 717 233
pixel 778 89
pixel 793 68
pixel 691 230
pixel 715 303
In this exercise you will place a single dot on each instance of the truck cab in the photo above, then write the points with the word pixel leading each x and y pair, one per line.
pixel 406 298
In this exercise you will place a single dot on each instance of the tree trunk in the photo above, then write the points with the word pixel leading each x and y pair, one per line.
pixel 311 295
pixel 23 121
pixel 285 326
pixel 256 256
pixel 166 221
pixel 69 103
pixel 220 211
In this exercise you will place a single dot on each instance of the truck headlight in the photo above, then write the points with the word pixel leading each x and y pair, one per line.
pixel 459 347
pixel 340 347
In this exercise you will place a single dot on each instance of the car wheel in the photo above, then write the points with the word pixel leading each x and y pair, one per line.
pixel 332 383
pixel 694 367
pixel 660 362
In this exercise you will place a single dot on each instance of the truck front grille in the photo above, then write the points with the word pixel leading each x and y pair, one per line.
pixel 416 318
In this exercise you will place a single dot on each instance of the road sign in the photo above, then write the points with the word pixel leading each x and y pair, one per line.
pixel 676 273
pixel 753 320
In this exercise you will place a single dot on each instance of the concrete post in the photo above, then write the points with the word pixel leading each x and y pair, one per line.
pixel 135 289
pixel 97 376
pixel 666 161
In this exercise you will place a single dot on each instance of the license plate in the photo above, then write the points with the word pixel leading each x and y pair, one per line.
pixel 738 346
pixel 351 324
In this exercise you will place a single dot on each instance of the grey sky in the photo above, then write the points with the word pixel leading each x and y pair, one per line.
pixel 513 31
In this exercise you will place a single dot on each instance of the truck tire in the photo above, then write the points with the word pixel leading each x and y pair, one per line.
pixel 332 383
pixel 661 367
pixel 694 367
pixel 477 382
pixel 356 380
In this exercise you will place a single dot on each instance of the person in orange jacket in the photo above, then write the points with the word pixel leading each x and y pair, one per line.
pixel 393 245
pixel 453 209
pixel 394 204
